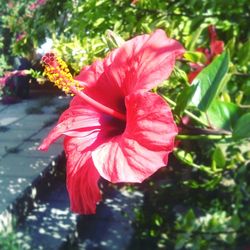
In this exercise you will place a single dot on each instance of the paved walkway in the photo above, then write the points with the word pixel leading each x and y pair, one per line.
pixel 22 127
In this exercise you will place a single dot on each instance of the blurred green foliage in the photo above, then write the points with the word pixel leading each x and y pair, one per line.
pixel 77 27
pixel 10 239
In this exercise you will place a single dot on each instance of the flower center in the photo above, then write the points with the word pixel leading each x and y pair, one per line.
pixel 57 72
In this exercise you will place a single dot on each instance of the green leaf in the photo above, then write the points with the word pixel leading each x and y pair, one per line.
pixel 113 39
pixel 231 46
pixel 219 158
pixel 184 98
pixel 98 22
pixel 193 38
pixel 181 241
pixel 209 82
pixel 184 156
pixel 181 76
pixel 189 221
pixel 244 54
pixel 241 129
pixel 158 220
pixel 222 115
pixel 195 56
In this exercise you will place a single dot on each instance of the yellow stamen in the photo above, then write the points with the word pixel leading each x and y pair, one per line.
pixel 58 72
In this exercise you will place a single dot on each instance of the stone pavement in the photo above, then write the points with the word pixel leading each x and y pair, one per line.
pixel 111 227
pixel 22 127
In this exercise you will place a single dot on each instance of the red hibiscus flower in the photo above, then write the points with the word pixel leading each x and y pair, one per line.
pixel 216 48
pixel 114 127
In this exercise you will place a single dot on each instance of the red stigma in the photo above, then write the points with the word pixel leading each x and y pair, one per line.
pixel 49 59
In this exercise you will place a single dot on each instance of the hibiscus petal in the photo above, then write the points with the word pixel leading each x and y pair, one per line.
pixel 139 64
pixel 82 176
pixel 77 120
pixel 145 144
pixel 90 74
pixel 143 62
pixel 217 47
pixel 82 182
pixel 100 88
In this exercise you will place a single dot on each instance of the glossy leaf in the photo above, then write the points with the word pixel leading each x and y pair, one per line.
pixel 209 82
pixel 184 98
pixel 244 53
pixel 222 115
pixel 193 38
pixel 113 39
pixel 195 57
pixel 219 158
pixel 242 128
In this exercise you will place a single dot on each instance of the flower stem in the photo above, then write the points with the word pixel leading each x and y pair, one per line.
pixel 98 105
pixel 198 137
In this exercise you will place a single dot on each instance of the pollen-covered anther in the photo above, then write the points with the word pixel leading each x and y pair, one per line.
pixel 57 72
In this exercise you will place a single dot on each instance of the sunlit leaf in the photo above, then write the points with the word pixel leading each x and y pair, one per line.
pixel 193 38
pixel 219 158
pixel 184 98
pixel 98 22
pixel 195 56
pixel 244 53
pixel 242 128
pixel 222 115
pixel 209 82
pixel 113 39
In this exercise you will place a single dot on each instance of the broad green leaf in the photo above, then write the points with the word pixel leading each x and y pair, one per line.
pixel 235 221
pixel 225 80
pixel 188 222
pixel 242 127
pixel 181 76
pixel 225 97
pixel 219 158
pixel 184 156
pixel 146 28
pixel 209 82
pixel 246 90
pixel 184 98
pixel 222 115
pixel 158 220
pixel 98 22
pixel 239 97
pixel 231 46
pixel 244 53
pixel 195 56
pixel 100 2
pixel 113 39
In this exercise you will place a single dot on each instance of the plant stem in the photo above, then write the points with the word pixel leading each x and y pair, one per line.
pixel 206 137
